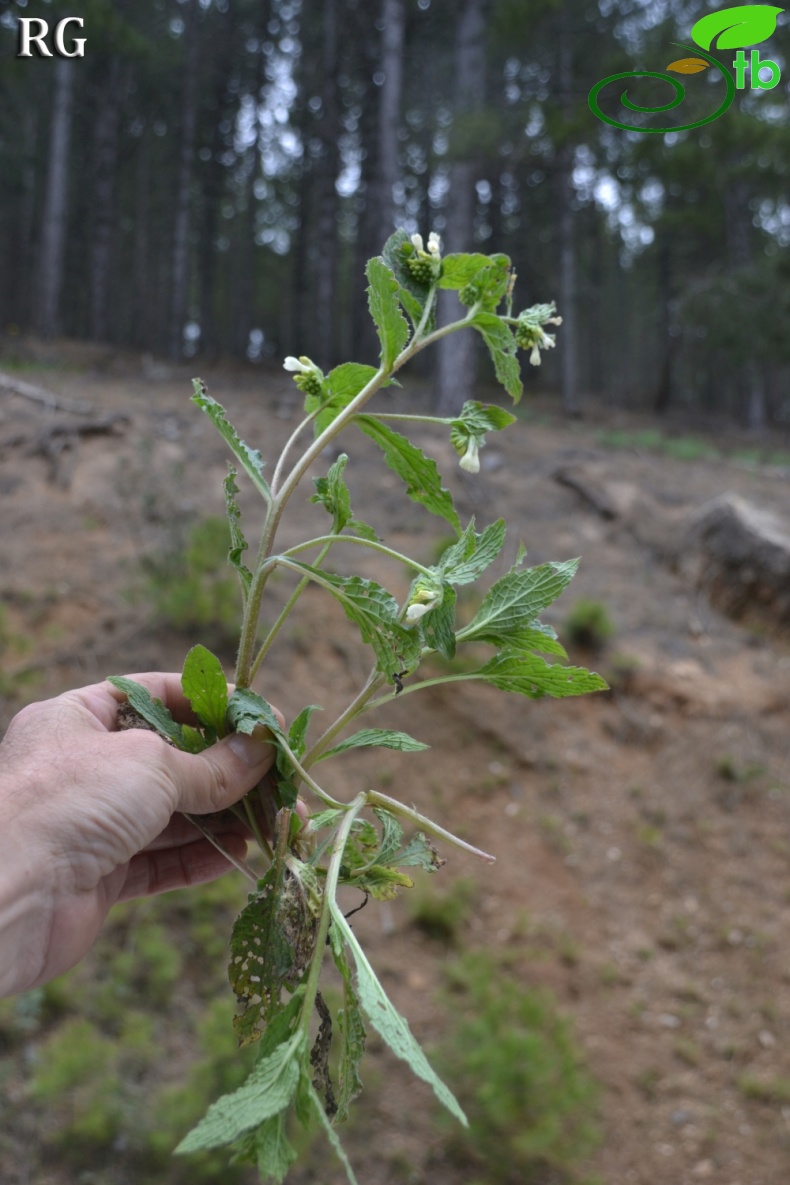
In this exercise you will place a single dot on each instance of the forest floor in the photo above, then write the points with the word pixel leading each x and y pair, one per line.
pixel 641 835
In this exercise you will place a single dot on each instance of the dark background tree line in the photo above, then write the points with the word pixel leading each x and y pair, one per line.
pixel 211 177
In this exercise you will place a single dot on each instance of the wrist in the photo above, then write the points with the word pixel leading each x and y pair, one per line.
pixel 26 905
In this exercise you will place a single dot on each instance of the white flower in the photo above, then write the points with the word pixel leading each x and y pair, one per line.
pixel 545 341
pixel 417 242
pixel 470 461
pixel 418 610
pixel 302 365
pixel 434 244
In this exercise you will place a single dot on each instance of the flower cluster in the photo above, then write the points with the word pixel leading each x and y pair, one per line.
pixel 530 334
pixel 425 266
pixel 307 376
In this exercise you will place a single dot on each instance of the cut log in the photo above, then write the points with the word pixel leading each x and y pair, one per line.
pixel 739 555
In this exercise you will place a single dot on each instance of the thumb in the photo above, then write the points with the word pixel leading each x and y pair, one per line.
pixel 219 776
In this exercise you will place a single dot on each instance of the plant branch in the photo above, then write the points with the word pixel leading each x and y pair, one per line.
pixel 371 543
pixel 374 798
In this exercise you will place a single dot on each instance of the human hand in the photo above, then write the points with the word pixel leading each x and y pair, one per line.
pixel 90 815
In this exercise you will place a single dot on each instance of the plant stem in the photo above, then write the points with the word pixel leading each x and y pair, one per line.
pixel 385 699
pixel 374 798
pixel 371 543
pixel 394 415
pixel 240 864
pixel 284 614
pixel 253 607
pixel 357 705
pixel 330 888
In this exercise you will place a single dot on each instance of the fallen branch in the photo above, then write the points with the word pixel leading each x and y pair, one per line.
pixel 41 395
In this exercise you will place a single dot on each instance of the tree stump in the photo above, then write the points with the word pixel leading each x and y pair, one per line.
pixel 739 555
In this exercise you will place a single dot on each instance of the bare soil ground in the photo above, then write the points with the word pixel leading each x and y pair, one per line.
pixel 641 836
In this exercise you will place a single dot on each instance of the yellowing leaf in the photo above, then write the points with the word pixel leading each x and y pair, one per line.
pixel 688 65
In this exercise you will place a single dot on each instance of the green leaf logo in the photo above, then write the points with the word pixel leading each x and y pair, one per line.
pixel 746 24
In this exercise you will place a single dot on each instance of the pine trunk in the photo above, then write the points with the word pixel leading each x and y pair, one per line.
pixel 56 202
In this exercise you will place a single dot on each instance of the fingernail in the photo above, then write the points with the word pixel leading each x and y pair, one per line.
pixel 251 752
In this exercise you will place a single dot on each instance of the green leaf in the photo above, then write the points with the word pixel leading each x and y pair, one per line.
pixel 476 418
pixel 385 738
pixel 297 733
pixel 392 327
pixel 192 740
pixel 438 626
pixel 329 1131
pixel 530 675
pixel 375 612
pixel 274 1152
pixel 535 636
pixel 381 881
pixel 515 600
pixel 502 348
pixel 340 386
pixel 328 818
pixel 745 24
pixel 487 286
pixel 247 709
pixel 205 686
pixel 351 1028
pixel 271 944
pixel 467 559
pixel 268 1091
pixel 332 493
pixel 249 459
pixel 238 544
pixel 419 853
pixel 423 483
pixel 458 270
pixel 152 710
pixel 412 294
pixel 388 1022
pixel 391 836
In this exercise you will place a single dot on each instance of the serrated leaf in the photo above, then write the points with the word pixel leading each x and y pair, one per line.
pixel 516 599
pixel 205 686
pixel 151 709
pixel 478 418
pixel 329 1131
pixel 327 818
pixel 411 293
pixel 351 1028
pixel 238 544
pixel 688 65
pixel 391 835
pixel 530 675
pixel 391 325
pixel 268 1090
pixel 535 636
pixel 249 459
pixel 332 493
pixel 488 286
pixel 423 483
pixel 340 386
pixel 467 559
pixel 737 27
pixel 459 269
pixel 375 612
pixel 390 1025
pixel 419 853
pixel 271 944
pixel 247 709
pixel 274 1152
pixel 381 881
pixel 438 626
pixel 502 348
pixel 297 733
pixel 371 738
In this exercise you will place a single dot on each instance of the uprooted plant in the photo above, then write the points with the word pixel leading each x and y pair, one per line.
pixel 293 919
